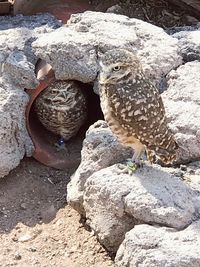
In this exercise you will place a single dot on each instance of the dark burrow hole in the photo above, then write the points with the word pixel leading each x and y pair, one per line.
pixel 73 146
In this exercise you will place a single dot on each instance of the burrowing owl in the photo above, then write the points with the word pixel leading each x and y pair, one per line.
pixel 62 108
pixel 133 107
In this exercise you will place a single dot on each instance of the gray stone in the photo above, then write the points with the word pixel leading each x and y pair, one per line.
pixel 100 150
pixel 153 246
pixel 14 139
pixel 116 9
pixel 73 49
pixel 182 103
pixel 16 37
pixel 115 201
pixel 19 71
pixel 189 42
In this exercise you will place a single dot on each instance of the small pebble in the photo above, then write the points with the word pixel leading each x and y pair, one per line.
pixel 183 168
pixel 25 238
pixel 17 256
pixel 23 206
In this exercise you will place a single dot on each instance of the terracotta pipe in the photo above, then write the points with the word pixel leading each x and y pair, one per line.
pixel 43 151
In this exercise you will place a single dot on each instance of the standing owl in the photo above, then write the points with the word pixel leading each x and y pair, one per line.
pixel 133 107
pixel 62 108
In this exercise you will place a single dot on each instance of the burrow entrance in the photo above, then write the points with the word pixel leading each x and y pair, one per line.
pixel 69 155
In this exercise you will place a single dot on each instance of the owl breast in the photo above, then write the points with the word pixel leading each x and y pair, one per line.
pixel 117 126
pixel 62 108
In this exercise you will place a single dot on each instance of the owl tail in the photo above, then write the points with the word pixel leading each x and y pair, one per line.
pixel 165 154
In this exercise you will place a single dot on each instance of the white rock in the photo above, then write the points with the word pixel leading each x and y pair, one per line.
pixel 189 42
pixel 182 103
pixel 153 246
pixel 14 139
pixel 73 49
pixel 114 201
pixel 100 150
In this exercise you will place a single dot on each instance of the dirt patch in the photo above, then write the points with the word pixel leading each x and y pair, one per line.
pixel 37 227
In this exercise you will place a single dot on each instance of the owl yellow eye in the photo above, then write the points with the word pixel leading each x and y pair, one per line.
pixel 116 68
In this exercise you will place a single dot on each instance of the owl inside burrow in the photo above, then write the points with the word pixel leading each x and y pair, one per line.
pixel 62 109
pixel 133 107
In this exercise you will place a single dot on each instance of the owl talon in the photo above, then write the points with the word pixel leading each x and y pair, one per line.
pixel 132 167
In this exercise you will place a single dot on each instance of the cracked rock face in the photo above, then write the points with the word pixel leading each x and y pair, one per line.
pixel 73 49
pixel 182 103
pixel 114 202
pixel 188 40
pixel 14 139
pixel 100 149
pixel 153 246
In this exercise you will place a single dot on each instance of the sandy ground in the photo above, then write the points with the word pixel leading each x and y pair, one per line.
pixel 37 227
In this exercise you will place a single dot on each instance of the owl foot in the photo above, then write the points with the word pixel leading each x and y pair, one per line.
pixel 60 146
pixel 128 168
pixel 132 167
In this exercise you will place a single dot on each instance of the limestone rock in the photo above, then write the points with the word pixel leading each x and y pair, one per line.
pixel 14 139
pixel 17 34
pixel 100 150
pixel 182 103
pixel 115 201
pixel 189 42
pixel 19 71
pixel 73 49
pixel 153 246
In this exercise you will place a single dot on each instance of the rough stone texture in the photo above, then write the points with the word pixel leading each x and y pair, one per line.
pixel 153 246
pixel 14 139
pixel 17 64
pixel 182 103
pixel 100 150
pixel 189 42
pixel 19 71
pixel 17 34
pixel 73 49
pixel 115 201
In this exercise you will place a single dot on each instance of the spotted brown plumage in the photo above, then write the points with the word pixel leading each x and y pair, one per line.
pixel 62 108
pixel 133 107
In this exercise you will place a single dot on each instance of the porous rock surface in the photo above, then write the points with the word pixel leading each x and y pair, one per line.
pixel 182 103
pixel 188 41
pixel 154 246
pixel 17 64
pixel 100 149
pixel 73 49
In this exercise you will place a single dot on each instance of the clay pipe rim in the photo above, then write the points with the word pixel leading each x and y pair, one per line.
pixel 43 152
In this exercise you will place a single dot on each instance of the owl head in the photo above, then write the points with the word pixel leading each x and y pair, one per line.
pixel 118 65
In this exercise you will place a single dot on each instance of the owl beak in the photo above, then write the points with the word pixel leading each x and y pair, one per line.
pixel 103 78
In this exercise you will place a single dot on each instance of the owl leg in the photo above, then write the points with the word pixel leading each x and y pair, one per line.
pixel 60 145
pixel 138 151
pixel 136 159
